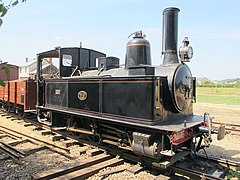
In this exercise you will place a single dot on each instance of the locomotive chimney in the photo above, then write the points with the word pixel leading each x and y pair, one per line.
pixel 170 36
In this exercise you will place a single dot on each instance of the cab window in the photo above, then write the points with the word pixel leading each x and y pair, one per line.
pixel 66 60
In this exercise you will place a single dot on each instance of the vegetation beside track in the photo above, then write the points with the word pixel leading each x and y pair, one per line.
pixel 219 95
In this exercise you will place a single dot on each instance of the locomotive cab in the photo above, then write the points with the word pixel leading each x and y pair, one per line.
pixel 77 60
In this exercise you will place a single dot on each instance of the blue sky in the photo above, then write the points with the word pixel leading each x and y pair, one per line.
pixel 213 28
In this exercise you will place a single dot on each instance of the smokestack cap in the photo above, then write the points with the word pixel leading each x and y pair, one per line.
pixel 171 9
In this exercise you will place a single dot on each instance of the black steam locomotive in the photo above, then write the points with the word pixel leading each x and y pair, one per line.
pixel 143 108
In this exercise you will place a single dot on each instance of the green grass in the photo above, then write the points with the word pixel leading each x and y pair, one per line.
pixel 229 96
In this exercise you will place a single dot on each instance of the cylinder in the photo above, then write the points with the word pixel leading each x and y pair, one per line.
pixel 170 35
pixel 138 51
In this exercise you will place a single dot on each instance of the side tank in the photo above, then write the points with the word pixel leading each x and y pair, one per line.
pixel 138 51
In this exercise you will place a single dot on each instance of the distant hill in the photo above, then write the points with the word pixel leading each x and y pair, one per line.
pixel 201 80
pixel 229 81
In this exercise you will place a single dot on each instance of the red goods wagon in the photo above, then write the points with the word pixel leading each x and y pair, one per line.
pixel 21 87
pixel 19 96
pixel 1 93
pixel 12 93
pixel 26 94
pixel 6 92
pixel 4 95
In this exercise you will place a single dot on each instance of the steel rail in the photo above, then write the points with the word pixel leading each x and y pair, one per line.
pixel 227 163
pixel 10 152
pixel 227 124
pixel 6 130
pixel 230 127
pixel 192 173
pixel 13 149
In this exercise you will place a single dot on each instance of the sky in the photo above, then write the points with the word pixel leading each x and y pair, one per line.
pixel 212 26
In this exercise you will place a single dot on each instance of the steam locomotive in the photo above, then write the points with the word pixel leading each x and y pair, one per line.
pixel 139 107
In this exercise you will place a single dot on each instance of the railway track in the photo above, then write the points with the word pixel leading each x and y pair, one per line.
pixel 96 160
pixel 225 162
pixel 7 149
pixel 11 144
pixel 91 166
pixel 81 170
pixel 202 167
pixel 16 138
pixel 229 127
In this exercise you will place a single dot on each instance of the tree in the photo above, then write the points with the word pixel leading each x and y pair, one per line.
pixel 4 7
pixel 5 69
